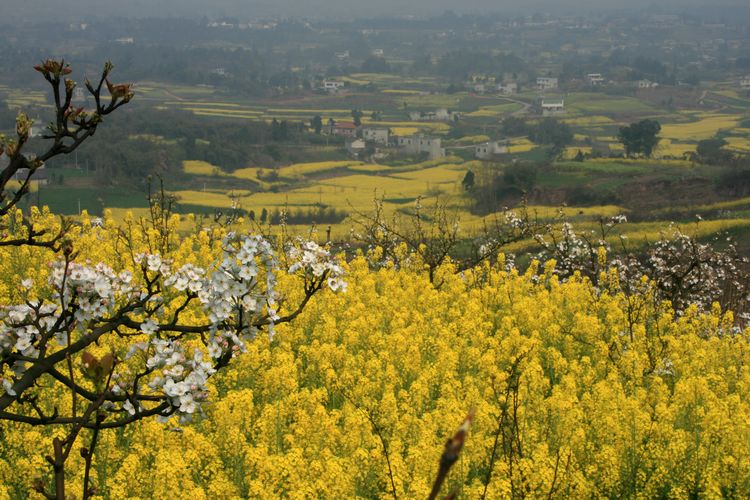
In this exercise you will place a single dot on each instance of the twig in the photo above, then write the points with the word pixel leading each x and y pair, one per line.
pixel 450 454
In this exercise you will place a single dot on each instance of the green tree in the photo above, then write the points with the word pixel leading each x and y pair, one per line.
pixel 640 138
pixel 468 181
pixel 317 123
pixel 712 152
pixel 551 131
pixel 357 116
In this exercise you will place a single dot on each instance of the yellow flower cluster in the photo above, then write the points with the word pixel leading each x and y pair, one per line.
pixel 579 392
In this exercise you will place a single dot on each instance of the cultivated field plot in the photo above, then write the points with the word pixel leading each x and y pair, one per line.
pixel 348 185
pixel 602 104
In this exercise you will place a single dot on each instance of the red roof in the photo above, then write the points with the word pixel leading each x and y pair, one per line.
pixel 345 125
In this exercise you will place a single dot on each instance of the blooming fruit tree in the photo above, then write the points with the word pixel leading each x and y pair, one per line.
pixel 94 346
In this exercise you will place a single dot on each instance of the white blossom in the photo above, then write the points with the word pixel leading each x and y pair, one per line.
pixel 149 326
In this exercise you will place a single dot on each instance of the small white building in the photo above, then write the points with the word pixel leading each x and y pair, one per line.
pixel 439 115
pixel 377 52
pixel 552 107
pixel 646 84
pixel 418 143
pixel 36 130
pixel 376 135
pixel 442 115
pixel 479 88
pixel 508 88
pixel 745 82
pixel 487 150
pixel 546 83
pixel 332 85
pixel 595 79
pixel 79 95
pixel 355 146
pixel 343 55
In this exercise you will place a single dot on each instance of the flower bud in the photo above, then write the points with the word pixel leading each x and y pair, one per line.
pixel 23 126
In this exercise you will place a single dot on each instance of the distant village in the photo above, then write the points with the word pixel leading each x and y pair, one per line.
pixel 362 141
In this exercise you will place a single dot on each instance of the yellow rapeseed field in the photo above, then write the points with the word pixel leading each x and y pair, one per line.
pixel 404 130
pixel 572 152
pixel 588 120
pixel 578 392
pixel 667 147
pixel 704 128
pixel 521 146
pixel 197 167
pixel 438 127
pixel 475 139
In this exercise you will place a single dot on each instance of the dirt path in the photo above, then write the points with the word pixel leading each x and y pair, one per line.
pixel 171 95
pixel 522 111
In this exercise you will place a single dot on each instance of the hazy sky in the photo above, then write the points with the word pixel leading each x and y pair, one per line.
pixel 77 9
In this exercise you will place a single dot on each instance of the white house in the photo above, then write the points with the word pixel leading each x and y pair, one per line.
pixel 546 82
pixel 36 130
pixel 343 55
pixel 489 149
pixel 377 52
pixel 442 114
pixel 418 143
pixel 479 88
pixel 745 82
pixel 646 84
pixel 376 135
pixel 332 85
pixel 439 115
pixel 508 88
pixel 595 79
pixel 355 146
pixel 79 96
pixel 553 107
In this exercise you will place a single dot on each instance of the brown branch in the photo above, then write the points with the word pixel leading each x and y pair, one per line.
pixel 92 396
pixel 43 365
pixel 164 409
pixel 88 456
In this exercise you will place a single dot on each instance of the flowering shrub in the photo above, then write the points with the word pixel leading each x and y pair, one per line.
pixel 683 270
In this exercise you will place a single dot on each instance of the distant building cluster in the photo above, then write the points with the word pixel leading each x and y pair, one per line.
pixel 332 86
pixel 546 83
pixel 646 84
pixel 439 115
pixel 509 88
pixel 488 150
pixel 419 143
pixel 552 107
pixel 595 79
pixel 358 138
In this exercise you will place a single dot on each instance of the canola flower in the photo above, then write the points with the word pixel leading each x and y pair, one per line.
pixel 579 390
